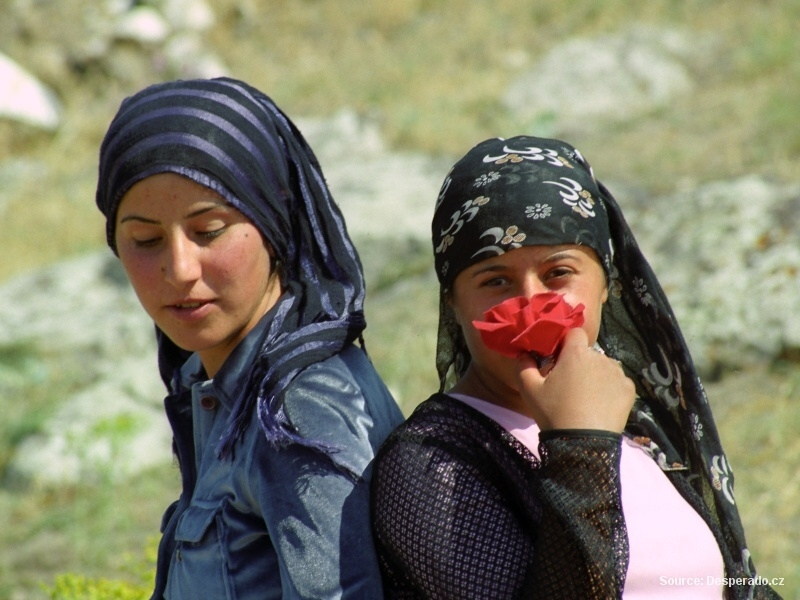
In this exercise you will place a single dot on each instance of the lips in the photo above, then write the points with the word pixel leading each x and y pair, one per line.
pixel 188 304
pixel 190 309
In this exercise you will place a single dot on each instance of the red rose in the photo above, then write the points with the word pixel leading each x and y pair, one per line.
pixel 535 326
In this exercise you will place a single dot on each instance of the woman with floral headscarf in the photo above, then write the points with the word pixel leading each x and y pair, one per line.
pixel 573 454
pixel 219 213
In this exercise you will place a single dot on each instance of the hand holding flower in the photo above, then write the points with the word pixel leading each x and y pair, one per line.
pixel 584 390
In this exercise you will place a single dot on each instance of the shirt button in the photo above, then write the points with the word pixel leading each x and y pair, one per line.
pixel 208 402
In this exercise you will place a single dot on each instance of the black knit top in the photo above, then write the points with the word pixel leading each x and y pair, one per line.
pixel 461 509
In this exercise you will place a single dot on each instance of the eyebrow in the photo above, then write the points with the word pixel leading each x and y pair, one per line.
pixel 561 255
pixel 489 269
pixel 551 258
pixel 191 215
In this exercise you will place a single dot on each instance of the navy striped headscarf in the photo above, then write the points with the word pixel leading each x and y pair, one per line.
pixel 231 138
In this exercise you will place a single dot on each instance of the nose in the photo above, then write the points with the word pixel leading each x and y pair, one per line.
pixel 181 264
pixel 531 285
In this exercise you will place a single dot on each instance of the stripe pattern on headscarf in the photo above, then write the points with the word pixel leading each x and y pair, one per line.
pixel 508 193
pixel 230 137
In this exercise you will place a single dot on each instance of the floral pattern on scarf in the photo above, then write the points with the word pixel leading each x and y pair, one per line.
pixel 543 192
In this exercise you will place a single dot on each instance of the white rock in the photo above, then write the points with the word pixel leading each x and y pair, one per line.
pixel 25 99
pixel 142 24
pixel 726 254
pixel 116 7
pixel 381 193
pixel 610 77
pixel 83 304
pixel 107 432
pixel 188 56
pixel 194 15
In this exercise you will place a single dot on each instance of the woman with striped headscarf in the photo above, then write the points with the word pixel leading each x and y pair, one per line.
pixel 219 213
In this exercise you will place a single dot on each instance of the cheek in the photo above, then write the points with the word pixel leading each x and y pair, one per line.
pixel 146 282
pixel 245 265
pixel 469 307
pixel 463 320
pixel 477 349
pixel 143 273
pixel 593 315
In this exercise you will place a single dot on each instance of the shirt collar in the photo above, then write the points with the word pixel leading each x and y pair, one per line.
pixel 229 380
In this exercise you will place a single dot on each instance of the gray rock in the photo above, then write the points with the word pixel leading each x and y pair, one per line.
pixel 82 315
pixel 131 43
pixel 728 258
pixel 607 78
pixel 381 193
pixel 83 305
pixel 108 431
pixel 187 56
pixel 192 15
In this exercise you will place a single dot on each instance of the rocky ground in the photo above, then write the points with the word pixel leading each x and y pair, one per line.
pixel 76 348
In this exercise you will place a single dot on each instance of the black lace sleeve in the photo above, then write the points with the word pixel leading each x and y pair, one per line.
pixel 463 510
pixel 582 523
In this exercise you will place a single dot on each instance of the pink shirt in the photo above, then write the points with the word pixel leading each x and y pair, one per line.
pixel 673 553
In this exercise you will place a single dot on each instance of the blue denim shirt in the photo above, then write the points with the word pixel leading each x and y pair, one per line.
pixel 276 523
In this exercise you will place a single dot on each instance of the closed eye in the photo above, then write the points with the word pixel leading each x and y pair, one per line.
pixel 147 243
pixel 213 233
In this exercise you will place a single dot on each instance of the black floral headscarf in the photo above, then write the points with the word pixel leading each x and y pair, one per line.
pixel 231 138
pixel 508 193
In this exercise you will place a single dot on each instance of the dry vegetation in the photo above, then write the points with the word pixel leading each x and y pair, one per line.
pixel 431 72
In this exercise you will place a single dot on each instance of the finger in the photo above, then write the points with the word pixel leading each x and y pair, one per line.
pixel 528 370
pixel 575 337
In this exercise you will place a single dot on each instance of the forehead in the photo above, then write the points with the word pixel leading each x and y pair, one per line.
pixel 535 255
pixel 167 193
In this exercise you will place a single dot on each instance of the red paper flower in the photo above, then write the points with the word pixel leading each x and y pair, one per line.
pixel 536 325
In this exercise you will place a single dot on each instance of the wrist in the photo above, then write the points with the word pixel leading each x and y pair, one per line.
pixel 573 433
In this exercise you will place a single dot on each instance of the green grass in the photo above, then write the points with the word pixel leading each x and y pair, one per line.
pixel 25 373
pixel 431 73
pixel 91 531
pixel 758 421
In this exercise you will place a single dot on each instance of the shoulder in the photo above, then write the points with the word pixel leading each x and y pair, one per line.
pixel 443 429
pixel 442 416
pixel 447 457
pixel 346 373
pixel 342 403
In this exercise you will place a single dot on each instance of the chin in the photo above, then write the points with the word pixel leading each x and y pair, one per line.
pixel 192 343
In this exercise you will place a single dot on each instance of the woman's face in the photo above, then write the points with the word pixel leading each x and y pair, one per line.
pixel 200 268
pixel 571 270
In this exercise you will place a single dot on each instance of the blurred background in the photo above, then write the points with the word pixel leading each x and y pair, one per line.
pixel 688 111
